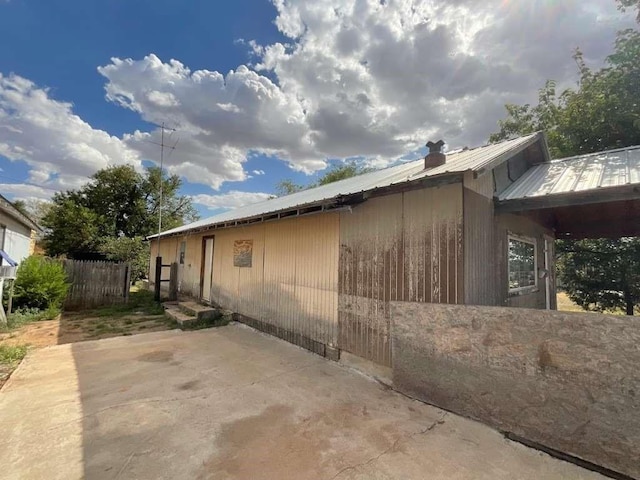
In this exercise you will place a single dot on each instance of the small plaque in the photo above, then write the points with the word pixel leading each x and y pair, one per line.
pixel 242 253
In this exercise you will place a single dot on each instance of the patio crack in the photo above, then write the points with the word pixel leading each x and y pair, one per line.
pixel 392 448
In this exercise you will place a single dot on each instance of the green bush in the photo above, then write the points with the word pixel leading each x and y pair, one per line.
pixel 40 283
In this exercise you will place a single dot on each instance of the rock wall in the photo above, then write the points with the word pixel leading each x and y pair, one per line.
pixel 569 381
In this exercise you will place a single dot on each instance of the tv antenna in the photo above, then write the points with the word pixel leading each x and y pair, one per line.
pixel 171 148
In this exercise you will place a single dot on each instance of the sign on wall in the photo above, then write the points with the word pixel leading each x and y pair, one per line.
pixel 242 253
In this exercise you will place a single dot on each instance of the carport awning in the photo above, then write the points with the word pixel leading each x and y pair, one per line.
pixel 589 196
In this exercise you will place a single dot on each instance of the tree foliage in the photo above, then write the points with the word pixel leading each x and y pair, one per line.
pixel 602 113
pixel 131 250
pixel 602 274
pixel 336 173
pixel 118 203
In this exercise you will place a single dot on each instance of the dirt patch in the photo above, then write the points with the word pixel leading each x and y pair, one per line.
pixel 284 446
pixel 156 356
pixel 192 385
pixel 74 327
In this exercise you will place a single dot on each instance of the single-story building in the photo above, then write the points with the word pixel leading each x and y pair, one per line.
pixel 475 226
pixel 17 233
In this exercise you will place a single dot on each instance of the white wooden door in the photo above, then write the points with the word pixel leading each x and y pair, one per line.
pixel 207 269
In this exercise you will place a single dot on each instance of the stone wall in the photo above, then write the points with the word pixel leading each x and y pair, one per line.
pixel 569 381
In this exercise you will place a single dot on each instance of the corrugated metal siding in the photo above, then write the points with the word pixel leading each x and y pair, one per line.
pixel 292 283
pixel 192 265
pixel 479 250
pixel 405 247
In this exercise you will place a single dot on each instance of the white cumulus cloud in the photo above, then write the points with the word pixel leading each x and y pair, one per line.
pixel 61 149
pixel 366 79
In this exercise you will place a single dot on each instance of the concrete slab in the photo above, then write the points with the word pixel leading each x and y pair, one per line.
pixel 232 403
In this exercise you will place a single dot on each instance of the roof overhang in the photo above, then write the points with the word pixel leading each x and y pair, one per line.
pixel 339 203
pixel 585 197
pixel 500 159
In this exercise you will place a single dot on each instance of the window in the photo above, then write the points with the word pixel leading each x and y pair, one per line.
pixel 522 264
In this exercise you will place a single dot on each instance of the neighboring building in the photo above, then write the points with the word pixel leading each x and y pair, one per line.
pixel 17 233
pixel 319 267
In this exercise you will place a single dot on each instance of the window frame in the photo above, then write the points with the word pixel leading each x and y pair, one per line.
pixel 532 241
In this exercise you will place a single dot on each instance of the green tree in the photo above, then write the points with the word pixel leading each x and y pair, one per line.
pixel 134 251
pixel 73 230
pixel 287 187
pixel 602 274
pixel 117 202
pixel 602 113
pixel 336 173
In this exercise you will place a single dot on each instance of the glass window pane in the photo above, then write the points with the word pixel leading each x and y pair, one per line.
pixel 522 268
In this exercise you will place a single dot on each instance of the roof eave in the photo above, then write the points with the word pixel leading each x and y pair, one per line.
pixel 327 205
pixel 503 157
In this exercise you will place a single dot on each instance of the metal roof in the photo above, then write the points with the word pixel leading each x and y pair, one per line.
pixel 613 168
pixel 475 159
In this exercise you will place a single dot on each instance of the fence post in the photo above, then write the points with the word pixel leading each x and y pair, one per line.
pixel 158 278
pixel 173 282
pixel 10 301
pixel 127 282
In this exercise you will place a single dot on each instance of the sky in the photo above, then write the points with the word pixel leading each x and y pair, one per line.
pixel 259 91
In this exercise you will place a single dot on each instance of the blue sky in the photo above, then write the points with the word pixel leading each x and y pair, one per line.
pixel 260 91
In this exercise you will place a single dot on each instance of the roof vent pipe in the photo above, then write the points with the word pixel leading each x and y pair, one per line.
pixel 435 157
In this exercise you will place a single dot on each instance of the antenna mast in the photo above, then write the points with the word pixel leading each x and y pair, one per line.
pixel 162 147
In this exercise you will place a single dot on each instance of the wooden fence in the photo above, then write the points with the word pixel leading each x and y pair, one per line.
pixel 94 283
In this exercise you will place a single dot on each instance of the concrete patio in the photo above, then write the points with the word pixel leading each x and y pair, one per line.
pixel 231 403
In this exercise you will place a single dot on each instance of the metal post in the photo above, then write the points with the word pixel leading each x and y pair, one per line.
pixel 173 282
pixel 158 278
pixel 10 302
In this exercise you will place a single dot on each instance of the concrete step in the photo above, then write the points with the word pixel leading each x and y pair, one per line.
pixel 201 312
pixel 192 315
pixel 176 314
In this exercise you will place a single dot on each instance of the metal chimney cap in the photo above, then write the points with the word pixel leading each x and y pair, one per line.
pixel 435 147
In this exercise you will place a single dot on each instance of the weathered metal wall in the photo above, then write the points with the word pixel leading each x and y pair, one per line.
pixel 292 283
pixel 406 247
pixel 480 279
pixel 486 249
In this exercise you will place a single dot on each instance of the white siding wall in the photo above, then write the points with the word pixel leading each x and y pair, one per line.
pixel 17 238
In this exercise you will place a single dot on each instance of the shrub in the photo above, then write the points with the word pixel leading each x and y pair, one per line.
pixel 41 283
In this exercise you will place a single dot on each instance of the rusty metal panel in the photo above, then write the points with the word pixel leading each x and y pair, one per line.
pixel 480 279
pixel 406 247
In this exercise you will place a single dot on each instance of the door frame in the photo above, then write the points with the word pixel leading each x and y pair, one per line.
pixel 548 244
pixel 202 262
